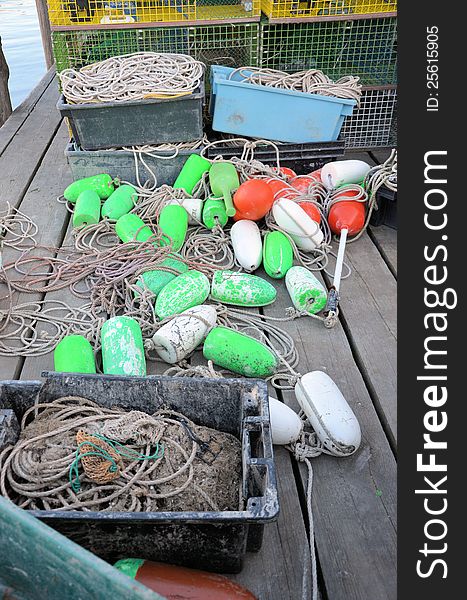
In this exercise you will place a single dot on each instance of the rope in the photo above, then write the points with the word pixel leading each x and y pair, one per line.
pixel 132 77
pixel 41 469
pixel 312 81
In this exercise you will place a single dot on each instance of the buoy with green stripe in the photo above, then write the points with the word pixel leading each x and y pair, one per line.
pixel 87 209
pixel 74 354
pixel 122 347
pixel 277 254
pixel 180 583
pixel 173 222
pixel 192 171
pixel 308 294
pixel 120 202
pixel 239 353
pixel 102 184
pixel 185 291
pixel 157 279
pixel 130 227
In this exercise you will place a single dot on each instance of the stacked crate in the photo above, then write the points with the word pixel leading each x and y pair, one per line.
pixel 340 37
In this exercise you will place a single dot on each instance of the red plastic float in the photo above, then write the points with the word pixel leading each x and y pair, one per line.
pixel 311 210
pixel 253 199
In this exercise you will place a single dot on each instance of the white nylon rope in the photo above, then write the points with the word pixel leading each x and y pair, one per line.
pixel 132 77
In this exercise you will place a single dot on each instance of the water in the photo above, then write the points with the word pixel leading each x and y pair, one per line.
pixel 22 46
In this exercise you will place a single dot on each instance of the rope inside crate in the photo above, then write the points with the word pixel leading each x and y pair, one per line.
pixel 132 460
pixel 133 77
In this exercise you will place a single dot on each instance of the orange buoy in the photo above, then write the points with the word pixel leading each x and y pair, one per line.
pixel 277 185
pixel 302 183
pixel 348 215
pixel 289 173
pixel 311 210
pixel 290 193
pixel 253 199
pixel 180 583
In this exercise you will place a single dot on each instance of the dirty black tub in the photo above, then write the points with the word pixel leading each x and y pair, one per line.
pixel 216 541
pixel 136 122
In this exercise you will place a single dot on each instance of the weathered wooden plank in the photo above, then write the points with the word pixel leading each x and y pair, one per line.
pixel 20 161
pixel 385 239
pixel 40 203
pixel 18 117
pixel 354 499
pixel 369 312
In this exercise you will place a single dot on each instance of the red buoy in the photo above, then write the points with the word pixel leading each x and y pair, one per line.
pixel 253 199
pixel 289 173
pixel 180 583
pixel 347 215
pixel 277 185
pixel 311 210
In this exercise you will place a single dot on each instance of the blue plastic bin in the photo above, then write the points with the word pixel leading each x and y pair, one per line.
pixel 282 115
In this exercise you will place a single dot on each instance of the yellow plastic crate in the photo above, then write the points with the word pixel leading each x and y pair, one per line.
pixel 77 14
pixel 325 9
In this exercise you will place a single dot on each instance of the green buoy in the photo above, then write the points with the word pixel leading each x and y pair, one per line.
pixel 241 289
pixel 192 171
pixel 87 209
pixel 308 294
pixel 239 353
pixel 277 254
pixel 74 354
pixel 122 347
pixel 157 279
pixel 173 222
pixel 185 291
pixel 223 178
pixel 214 213
pixel 101 184
pixel 120 202
pixel 130 227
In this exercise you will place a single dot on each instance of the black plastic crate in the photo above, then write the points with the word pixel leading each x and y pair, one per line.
pixel 216 541
pixel 303 158
pixel 386 214
pixel 136 122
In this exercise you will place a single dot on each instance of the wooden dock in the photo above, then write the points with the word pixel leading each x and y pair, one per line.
pixel 354 499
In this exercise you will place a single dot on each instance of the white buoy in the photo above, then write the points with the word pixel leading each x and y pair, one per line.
pixel 342 172
pixel 329 413
pixel 175 340
pixel 194 208
pixel 247 244
pixel 292 219
pixel 286 425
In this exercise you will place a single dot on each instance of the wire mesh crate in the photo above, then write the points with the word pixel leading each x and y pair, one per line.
pixel 365 48
pixel 374 123
pixel 231 44
pixel 66 14
pixel 325 10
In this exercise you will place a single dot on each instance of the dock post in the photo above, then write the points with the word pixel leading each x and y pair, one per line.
pixel 5 100
pixel 46 34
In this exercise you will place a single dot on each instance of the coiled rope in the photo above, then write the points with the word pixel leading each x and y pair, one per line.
pixel 132 77
pixel 312 81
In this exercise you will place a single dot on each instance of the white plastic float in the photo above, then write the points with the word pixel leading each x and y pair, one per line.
pixel 286 425
pixel 292 219
pixel 342 172
pixel 247 244
pixel 175 340
pixel 329 413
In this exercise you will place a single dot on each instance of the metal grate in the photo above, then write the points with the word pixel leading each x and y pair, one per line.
pixel 372 124
pixel 325 9
pixel 233 45
pixel 366 48
pixel 88 13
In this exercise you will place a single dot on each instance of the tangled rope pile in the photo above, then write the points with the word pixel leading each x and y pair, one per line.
pixel 312 81
pixel 131 461
pixel 132 77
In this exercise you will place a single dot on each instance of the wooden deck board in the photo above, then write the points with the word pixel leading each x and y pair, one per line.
pixel 22 112
pixel 40 203
pixel 24 153
pixel 353 498
pixel 369 312
pixel 355 525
